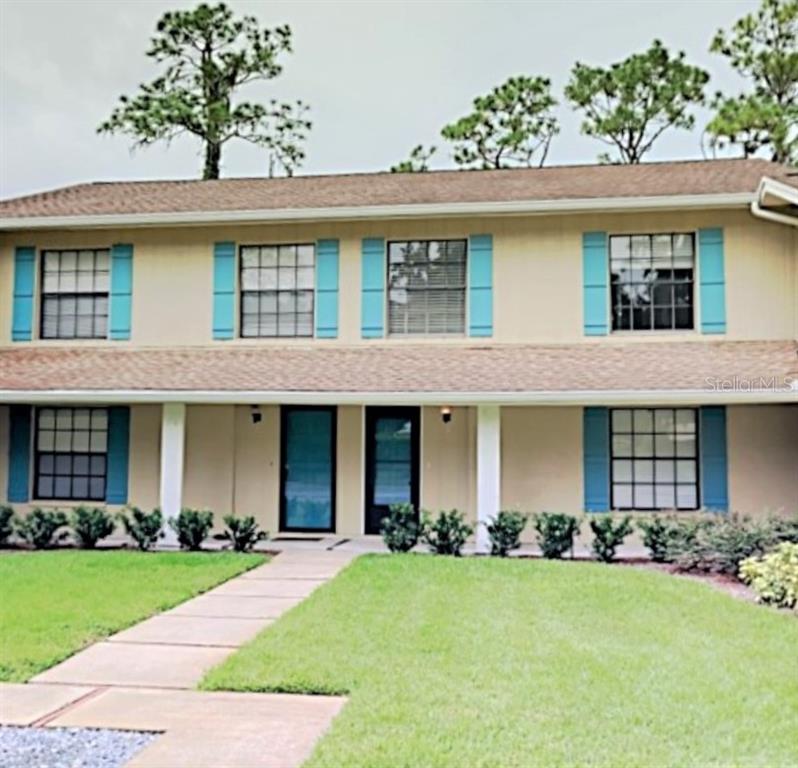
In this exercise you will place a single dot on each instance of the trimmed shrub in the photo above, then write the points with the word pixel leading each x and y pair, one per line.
pixel 6 524
pixel 143 527
pixel 447 533
pixel 400 529
pixel 192 527
pixel 660 532
pixel 505 531
pixel 41 527
pixel 90 525
pixel 774 577
pixel 608 535
pixel 719 544
pixel 555 533
pixel 784 528
pixel 242 532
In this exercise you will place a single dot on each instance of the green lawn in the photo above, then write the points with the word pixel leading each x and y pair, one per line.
pixel 55 603
pixel 484 662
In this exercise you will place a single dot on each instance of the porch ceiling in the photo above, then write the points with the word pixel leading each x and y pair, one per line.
pixel 401 372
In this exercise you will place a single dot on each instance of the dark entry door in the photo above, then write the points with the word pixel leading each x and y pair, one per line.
pixel 308 469
pixel 392 458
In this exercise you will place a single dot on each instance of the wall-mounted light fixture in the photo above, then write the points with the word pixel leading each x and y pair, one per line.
pixel 256 414
pixel 446 414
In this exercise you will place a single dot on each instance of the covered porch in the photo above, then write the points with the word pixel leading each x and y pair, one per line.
pixel 318 442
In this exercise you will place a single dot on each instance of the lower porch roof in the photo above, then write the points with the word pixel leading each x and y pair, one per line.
pixel 406 372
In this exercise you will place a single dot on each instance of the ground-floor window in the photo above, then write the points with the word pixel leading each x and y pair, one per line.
pixel 71 453
pixel 654 458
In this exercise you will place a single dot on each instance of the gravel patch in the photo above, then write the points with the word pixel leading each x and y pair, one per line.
pixel 69 747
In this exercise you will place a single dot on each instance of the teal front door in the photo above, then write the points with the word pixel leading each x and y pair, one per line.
pixel 308 469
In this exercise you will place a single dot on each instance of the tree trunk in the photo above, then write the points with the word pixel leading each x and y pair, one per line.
pixel 213 159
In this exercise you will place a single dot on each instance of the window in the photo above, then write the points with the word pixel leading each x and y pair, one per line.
pixel 75 294
pixel 277 284
pixel 426 287
pixel 652 282
pixel 654 458
pixel 71 448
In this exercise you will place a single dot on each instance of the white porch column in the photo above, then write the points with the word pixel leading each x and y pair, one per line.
pixel 173 438
pixel 488 470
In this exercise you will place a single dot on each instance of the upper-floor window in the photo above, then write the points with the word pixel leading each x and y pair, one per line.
pixel 426 287
pixel 654 458
pixel 277 290
pixel 71 453
pixel 75 294
pixel 652 282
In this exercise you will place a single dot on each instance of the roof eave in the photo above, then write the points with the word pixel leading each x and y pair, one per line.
pixel 409 211
pixel 542 398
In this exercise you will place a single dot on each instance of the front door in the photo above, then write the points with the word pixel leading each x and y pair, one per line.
pixel 392 459
pixel 307 454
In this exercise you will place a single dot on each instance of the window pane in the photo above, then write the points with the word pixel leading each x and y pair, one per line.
pixel 622 496
pixel 686 497
pixel 685 420
pixel 664 472
pixel 305 255
pixel 644 471
pixel 685 471
pixel 644 420
pixel 97 488
pixel 250 279
pixel 63 488
pixel 249 258
pixel 663 420
pixel 622 445
pixel 622 421
pixel 287 256
pixel 304 277
pixel 664 445
pixel 643 496
pixel 45 487
pixel 80 441
pixel 665 497
pixel 622 471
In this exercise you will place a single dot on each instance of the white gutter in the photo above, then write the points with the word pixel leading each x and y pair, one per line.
pixel 354 213
pixel 599 397
pixel 772 188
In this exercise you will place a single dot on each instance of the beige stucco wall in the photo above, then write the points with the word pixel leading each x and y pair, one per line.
pixel 541 451
pixel 349 490
pixel 763 458
pixel 144 471
pixel 537 272
pixel 448 461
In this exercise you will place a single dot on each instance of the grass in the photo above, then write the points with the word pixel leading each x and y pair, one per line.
pixel 52 604
pixel 485 662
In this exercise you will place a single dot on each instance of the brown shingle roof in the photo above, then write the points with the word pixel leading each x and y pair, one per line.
pixel 409 368
pixel 379 189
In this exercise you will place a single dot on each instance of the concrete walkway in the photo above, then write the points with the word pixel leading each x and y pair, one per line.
pixel 141 678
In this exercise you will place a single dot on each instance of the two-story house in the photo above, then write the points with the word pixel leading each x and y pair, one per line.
pixel 312 350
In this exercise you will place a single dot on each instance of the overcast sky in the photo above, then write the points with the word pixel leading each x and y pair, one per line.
pixel 380 76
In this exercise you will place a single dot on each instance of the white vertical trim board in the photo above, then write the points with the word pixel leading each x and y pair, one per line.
pixel 173 443
pixel 488 470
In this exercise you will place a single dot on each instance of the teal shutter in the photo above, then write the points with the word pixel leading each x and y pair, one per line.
pixel 24 284
pixel 711 274
pixel 327 289
pixel 118 450
pixel 224 290
pixel 372 303
pixel 595 272
pixel 480 285
pixel 121 291
pixel 714 469
pixel 19 450
pixel 596 455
